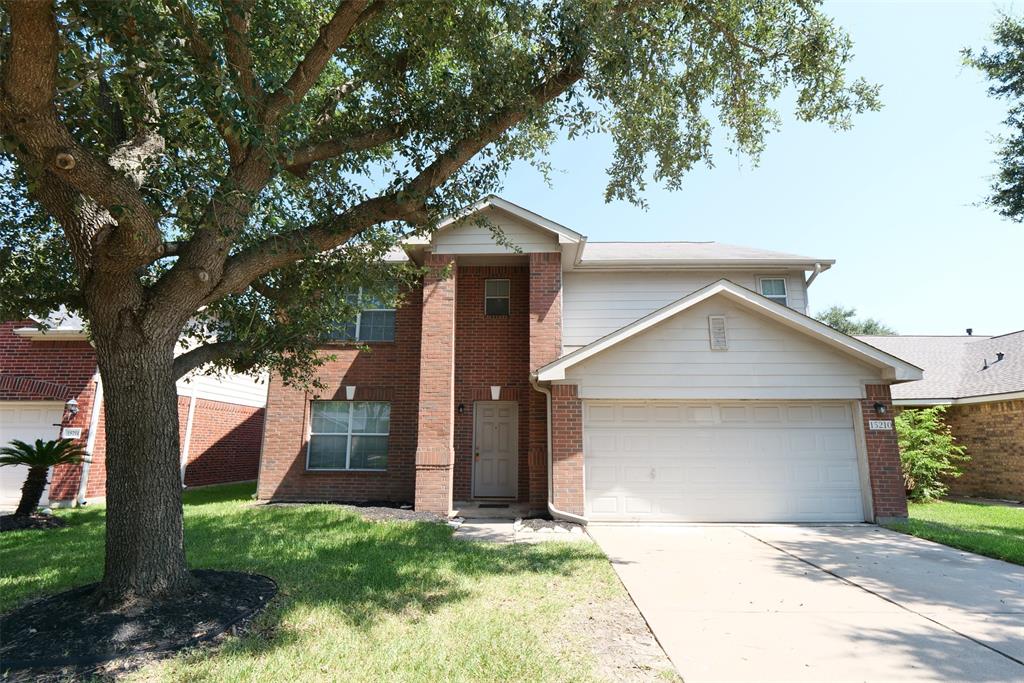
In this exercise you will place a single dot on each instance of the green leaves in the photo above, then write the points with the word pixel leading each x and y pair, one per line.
pixel 842 319
pixel 929 454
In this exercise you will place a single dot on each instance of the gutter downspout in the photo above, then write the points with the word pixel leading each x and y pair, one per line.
pixel 188 433
pixel 90 442
pixel 555 512
pixel 817 271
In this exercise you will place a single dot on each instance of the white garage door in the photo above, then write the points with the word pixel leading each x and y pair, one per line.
pixel 752 461
pixel 26 421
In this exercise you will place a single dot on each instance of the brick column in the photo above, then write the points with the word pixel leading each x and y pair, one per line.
pixel 567 448
pixel 888 494
pixel 435 453
pixel 545 346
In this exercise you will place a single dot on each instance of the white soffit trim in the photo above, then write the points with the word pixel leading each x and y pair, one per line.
pixel 893 368
pixel 985 398
pixel 54 334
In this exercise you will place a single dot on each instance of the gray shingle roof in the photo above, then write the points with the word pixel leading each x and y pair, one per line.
pixel 674 251
pixel 954 367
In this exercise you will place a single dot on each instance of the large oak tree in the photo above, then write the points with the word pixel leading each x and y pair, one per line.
pixel 223 171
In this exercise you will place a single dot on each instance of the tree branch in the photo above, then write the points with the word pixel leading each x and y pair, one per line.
pixel 201 355
pixel 405 204
pixel 239 54
pixel 302 158
pixel 348 16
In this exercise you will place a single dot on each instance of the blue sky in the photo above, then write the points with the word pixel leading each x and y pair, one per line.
pixel 896 200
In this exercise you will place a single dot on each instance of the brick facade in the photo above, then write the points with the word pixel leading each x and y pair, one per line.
pixel 888 494
pixel 993 434
pixel 380 371
pixel 490 350
pixel 545 347
pixel 226 437
pixel 567 448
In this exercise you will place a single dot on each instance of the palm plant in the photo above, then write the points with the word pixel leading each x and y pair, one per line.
pixel 39 458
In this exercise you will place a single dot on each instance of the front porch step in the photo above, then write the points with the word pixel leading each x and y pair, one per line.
pixel 487 509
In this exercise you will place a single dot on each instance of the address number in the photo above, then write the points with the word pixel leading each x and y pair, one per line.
pixel 879 425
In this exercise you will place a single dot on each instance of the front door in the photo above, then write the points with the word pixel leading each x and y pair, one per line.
pixel 495 448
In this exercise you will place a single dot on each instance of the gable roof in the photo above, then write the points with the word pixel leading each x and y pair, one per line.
pixel 893 368
pixel 958 367
pixel 563 234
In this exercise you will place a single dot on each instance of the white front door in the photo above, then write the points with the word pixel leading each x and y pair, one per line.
pixel 25 421
pixel 742 461
pixel 495 448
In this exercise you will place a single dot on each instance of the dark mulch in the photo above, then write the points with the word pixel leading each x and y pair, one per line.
pixel 538 523
pixel 379 511
pixel 16 523
pixel 66 636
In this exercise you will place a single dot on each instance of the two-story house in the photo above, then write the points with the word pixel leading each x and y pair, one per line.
pixel 617 381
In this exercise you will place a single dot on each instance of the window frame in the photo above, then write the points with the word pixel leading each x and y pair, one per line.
pixel 359 322
pixel 507 297
pixel 348 441
pixel 785 288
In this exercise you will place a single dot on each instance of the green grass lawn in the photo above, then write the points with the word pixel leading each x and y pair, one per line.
pixel 992 530
pixel 358 600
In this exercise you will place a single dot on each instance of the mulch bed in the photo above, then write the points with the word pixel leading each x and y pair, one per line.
pixel 376 511
pixel 16 523
pixel 65 636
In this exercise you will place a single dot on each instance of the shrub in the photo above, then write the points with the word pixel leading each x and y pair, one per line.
pixel 928 452
pixel 38 458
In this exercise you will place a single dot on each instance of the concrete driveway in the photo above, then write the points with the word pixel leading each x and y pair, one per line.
pixel 820 603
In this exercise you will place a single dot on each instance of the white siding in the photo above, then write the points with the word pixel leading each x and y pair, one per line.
pixel 232 388
pixel 471 238
pixel 765 360
pixel 595 304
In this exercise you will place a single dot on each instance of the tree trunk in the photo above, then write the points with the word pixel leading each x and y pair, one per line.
pixel 145 552
pixel 31 491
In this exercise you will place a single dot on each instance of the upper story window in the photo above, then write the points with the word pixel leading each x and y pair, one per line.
pixel 496 297
pixel 774 288
pixel 375 322
pixel 348 435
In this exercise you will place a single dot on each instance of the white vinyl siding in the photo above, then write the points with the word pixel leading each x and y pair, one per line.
pixel 471 238
pixel 765 360
pixel 595 304
pixel 348 435
pixel 704 461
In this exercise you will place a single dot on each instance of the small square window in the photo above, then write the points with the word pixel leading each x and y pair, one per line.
pixel 774 288
pixel 496 297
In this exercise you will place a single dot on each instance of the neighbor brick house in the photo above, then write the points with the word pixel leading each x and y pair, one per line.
pixel 981 380
pixel 620 381
pixel 220 419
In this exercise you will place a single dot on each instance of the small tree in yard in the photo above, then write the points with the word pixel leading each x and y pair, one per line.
pixel 928 452
pixel 226 171
pixel 38 458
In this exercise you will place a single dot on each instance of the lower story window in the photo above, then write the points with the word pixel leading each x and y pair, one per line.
pixel 348 435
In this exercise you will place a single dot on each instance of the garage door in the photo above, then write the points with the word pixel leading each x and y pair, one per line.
pixel 747 461
pixel 25 421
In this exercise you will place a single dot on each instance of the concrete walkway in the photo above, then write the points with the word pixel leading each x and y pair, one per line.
pixel 830 603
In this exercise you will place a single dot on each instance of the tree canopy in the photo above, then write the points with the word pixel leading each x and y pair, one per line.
pixel 844 320
pixel 233 168
pixel 1003 65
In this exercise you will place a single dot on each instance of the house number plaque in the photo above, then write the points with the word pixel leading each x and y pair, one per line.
pixel 880 425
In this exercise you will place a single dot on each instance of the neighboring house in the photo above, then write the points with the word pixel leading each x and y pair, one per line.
pixel 981 379
pixel 220 419
pixel 685 383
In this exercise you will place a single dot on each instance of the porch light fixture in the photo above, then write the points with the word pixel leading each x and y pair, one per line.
pixel 880 408
pixel 461 409
pixel 495 393
pixel 350 393
pixel 71 408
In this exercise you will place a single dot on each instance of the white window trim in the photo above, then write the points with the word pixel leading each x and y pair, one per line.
pixel 507 297
pixel 785 286
pixel 348 441
pixel 359 322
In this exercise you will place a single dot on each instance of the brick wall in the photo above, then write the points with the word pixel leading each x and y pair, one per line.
pixel 567 448
pixel 435 453
pixel 545 347
pixel 382 371
pixel 993 434
pixel 491 350
pixel 887 490
pixel 225 443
